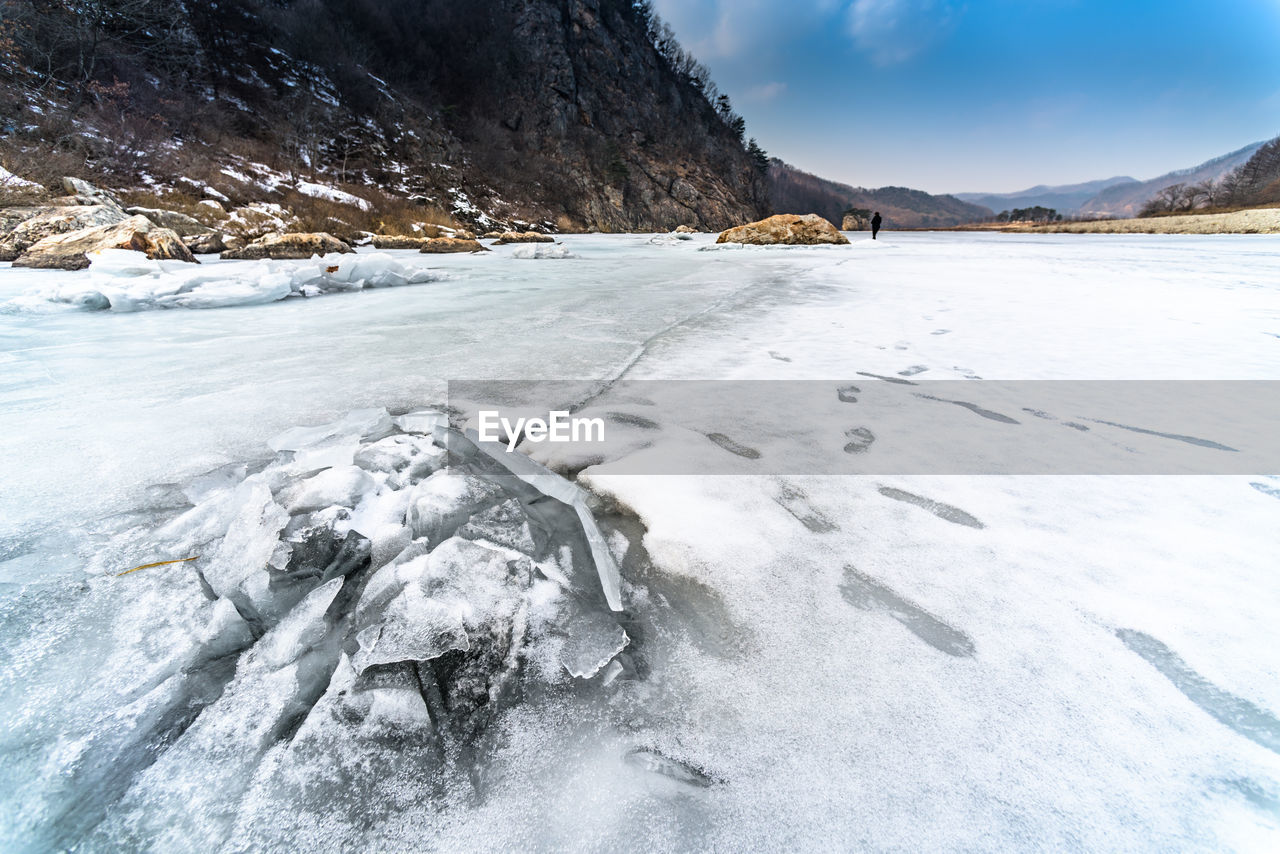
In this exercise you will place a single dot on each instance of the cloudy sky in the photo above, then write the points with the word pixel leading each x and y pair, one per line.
pixel 992 95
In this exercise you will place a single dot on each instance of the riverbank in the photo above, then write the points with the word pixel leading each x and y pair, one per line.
pixel 1256 221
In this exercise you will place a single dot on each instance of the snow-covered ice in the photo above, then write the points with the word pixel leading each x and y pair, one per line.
pixel 124 280
pixel 887 662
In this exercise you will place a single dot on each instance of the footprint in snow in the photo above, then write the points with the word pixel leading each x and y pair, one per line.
pixel 733 447
pixel 860 439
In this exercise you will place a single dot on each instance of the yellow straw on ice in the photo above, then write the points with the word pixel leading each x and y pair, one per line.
pixel 157 563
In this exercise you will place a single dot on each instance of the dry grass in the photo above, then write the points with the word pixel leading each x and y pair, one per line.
pixel 386 215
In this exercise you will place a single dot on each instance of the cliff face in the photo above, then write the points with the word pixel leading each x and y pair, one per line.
pixel 560 113
pixel 586 114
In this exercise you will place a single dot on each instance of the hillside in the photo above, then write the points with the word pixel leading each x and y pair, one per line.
pixel 1111 197
pixel 796 191
pixel 1064 198
pixel 1127 199
pixel 569 114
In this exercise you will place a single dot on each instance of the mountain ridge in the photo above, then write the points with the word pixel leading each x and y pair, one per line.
pixel 792 190
pixel 1119 196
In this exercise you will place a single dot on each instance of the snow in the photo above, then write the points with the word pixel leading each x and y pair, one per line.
pixel 10 180
pixel 810 661
pixel 123 280
pixel 333 194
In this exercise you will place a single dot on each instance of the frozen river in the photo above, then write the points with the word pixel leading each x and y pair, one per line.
pixel 816 662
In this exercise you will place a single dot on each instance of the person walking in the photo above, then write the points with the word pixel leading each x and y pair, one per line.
pixel 875 225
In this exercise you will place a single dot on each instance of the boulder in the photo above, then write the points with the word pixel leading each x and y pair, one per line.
pixel 492 235
pixel 452 244
pixel 82 192
pixel 855 222
pixel 67 251
pixel 214 208
pixel 398 241
pixel 179 223
pixel 686 229
pixel 463 234
pixel 525 237
pixel 787 229
pixel 211 243
pixel 28 226
pixel 285 246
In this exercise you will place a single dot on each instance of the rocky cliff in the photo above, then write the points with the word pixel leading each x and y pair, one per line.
pixel 569 114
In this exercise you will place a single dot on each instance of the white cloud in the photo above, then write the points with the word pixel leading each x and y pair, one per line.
pixel 766 91
pixel 735 29
pixel 893 31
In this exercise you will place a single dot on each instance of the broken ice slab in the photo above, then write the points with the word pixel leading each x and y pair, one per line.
pixel 251 538
pixel 504 525
pixel 410 457
pixel 445 500
pixel 594 639
pixel 413 628
pixel 421 421
pixel 335 487
pixel 301 629
pixel 362 423
pixel 553 485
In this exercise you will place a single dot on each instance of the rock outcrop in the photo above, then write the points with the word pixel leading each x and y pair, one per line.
pixel 525 237
pixel 854 222
pixel 212 243
pixel 788 229
pixel 28 226
pixel 440 245
pixel 398 241
pixel 287 246
pixel 68 251
pixel 686 229
pixel 179 223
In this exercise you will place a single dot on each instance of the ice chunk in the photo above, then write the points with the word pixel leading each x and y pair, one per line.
pixel 340 487
pixel 594 639
pixel 421 421
pixel 409 458
pixel 413 628
pixel 124 280
pixel 504 525
pixel 442 502
pixel 551 484
pixel 535 250
pixel 301 629
pixel 251 538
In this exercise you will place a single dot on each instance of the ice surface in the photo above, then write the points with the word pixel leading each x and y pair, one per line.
pixel 124 280
pixel 766 698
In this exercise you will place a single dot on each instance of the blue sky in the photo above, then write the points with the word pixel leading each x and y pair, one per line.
pixel 991 95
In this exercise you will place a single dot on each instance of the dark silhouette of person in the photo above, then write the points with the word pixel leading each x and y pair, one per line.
pixel 875 225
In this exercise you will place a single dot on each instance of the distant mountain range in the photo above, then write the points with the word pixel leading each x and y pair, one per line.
pixel 795 191
pixel 1117 197
pixel 1063 198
